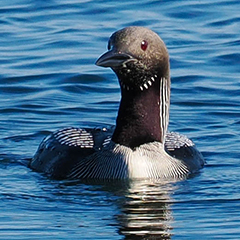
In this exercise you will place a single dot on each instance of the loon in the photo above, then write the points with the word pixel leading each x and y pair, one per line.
pixel 139 146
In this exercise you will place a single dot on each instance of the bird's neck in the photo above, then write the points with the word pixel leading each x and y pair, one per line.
pixel 143 115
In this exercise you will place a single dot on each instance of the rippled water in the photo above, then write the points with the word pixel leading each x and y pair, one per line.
pixel 48 80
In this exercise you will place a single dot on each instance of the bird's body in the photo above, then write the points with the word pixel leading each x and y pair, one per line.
pixel 139 146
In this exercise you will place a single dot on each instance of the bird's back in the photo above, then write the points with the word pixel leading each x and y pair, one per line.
pixel 90 153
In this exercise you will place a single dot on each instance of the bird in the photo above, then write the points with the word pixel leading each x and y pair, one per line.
pixel 139 146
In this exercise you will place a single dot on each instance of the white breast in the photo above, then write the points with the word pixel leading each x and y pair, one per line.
pixel 116 161
pixel 150 161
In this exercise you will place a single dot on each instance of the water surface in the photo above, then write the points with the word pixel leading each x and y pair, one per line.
pixel 48 80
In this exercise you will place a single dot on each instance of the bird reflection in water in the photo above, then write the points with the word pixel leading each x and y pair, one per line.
pixel 143 206
pixel 146 212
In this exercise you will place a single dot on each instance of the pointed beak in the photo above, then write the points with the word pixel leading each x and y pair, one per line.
pixel 113 59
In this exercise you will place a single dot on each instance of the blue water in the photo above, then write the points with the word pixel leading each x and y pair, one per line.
pixel 48 80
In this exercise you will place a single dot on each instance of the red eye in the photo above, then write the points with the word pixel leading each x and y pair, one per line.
pixel 144 45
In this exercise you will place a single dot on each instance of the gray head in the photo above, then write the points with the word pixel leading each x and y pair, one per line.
pixel 140 59
pixel 138 56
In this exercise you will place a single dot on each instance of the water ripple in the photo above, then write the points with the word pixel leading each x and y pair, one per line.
pixel 48 80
